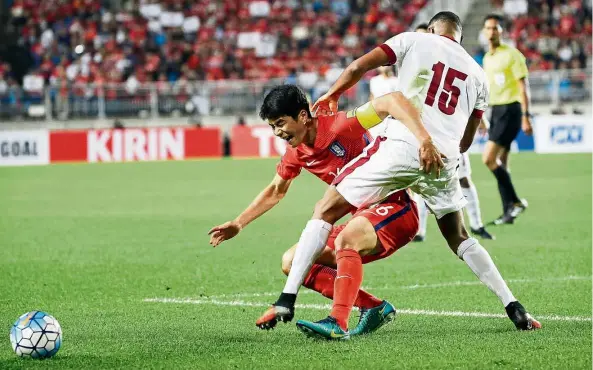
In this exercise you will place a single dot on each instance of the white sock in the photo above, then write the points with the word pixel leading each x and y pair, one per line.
pixel 473 206
pixel 479 261
pixel 312 241
pixel 422 214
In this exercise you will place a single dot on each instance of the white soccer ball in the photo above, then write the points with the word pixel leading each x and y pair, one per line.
pixel 36 334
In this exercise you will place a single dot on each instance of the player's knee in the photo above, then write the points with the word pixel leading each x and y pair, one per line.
pixel 359 235
pixel 489 157
pixel 331 208
pixel 287 260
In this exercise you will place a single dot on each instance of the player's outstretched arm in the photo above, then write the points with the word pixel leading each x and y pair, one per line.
pixel 328 103
pixel 399 107
pixel 265 200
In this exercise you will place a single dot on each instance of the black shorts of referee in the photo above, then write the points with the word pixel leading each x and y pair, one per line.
pixel 505 124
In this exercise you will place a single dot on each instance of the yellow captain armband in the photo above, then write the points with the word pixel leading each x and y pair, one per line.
pixel 367 116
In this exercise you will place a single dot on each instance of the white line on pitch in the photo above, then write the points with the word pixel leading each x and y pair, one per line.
pixel 415 286
pixel 477 282
pixel 327 307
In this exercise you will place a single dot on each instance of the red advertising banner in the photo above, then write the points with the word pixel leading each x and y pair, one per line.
pixel 255 141
pixel 134 144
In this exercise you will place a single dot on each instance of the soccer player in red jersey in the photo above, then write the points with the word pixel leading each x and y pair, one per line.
pixel 323 145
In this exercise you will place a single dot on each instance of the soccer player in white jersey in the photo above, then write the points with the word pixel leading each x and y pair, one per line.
pixel 467 187
pixel 450 91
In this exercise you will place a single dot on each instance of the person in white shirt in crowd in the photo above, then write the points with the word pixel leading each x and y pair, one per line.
pixel 382 84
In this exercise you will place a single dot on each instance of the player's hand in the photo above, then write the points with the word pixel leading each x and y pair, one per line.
pixel 223 232
pixel 326 105
pixel 430 158
pixel 526 126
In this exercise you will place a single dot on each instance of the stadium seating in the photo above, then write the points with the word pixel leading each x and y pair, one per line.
pixel 86 49
pixel 82 42
pixel 551 34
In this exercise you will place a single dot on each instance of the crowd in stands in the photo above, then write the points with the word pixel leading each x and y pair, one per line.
pixel 81 46
pixel 79 41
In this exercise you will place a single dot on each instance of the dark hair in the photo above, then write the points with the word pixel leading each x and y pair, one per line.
pixel 446 17
pixel 496 17
pixel 284 100
pixel 422 26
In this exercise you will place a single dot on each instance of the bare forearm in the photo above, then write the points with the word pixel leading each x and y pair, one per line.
pixel 265 201
pixel 469 134
pixel 525 94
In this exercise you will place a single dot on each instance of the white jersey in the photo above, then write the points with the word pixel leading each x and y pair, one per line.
pixel 443 81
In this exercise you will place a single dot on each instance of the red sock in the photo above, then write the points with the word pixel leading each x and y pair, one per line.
pixel 347 284
pixel 322 278
pixel 366 300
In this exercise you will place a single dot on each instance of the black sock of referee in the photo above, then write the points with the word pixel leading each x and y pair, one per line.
pixel 505 186
pixel 504 197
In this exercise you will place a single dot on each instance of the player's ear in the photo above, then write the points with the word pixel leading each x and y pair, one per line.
pixel 303 116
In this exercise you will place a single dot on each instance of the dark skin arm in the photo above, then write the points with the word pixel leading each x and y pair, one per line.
pixel 470 132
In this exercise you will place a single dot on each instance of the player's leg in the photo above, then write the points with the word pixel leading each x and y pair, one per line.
pixel 423 218
pixel 394 223
pixel 365 180
pixel 447 204
pixel 479 261
pixel 473 208
pixel 512 205
pixel 503 160
pixel 322 276
pixel 312 241
pixel 358 239
pixel 471 196
pixel 505 125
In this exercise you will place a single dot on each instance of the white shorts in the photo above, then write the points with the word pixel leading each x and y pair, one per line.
pixel 465 168
pixel 387 166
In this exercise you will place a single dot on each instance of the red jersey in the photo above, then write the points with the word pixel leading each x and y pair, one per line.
pixel 340 138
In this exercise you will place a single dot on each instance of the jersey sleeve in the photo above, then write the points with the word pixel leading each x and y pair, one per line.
pixel 482 98
pixel 289 167
pixel 397 47
pixel 519 65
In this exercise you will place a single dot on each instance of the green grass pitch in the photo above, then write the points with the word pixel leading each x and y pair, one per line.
pixel 91 243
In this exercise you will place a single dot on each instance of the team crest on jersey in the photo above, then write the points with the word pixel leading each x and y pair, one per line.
pixel 337 149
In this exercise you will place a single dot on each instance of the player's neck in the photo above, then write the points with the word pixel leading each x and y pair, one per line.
pixel 311 133
pixel 494 45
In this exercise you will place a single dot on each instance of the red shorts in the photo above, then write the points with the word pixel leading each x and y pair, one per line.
pixel 395 220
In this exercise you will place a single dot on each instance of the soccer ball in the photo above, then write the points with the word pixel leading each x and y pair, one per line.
pixel 36 334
